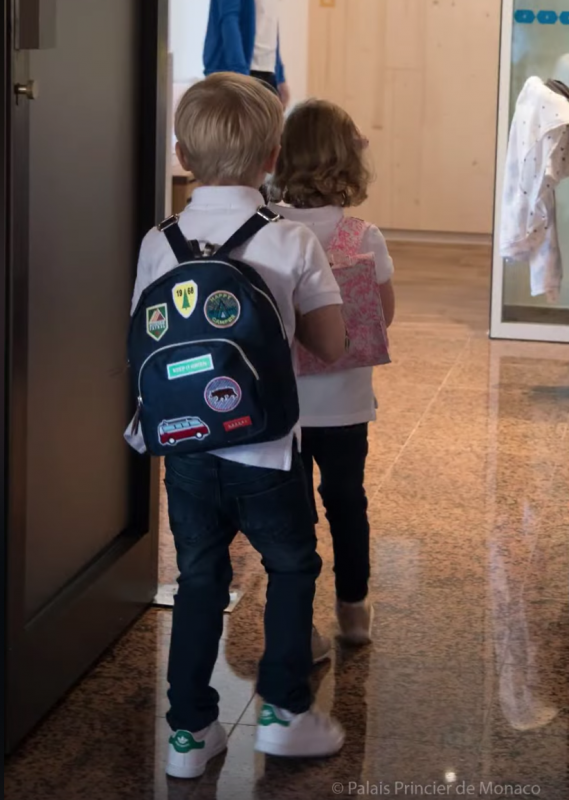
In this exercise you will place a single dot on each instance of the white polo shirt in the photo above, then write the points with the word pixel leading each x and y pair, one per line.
pixel 286 254
pixel 266 35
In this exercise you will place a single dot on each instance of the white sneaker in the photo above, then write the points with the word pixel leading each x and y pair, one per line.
pixel 308 735
pixel 355 621
pixel 321 647
pixel 189 753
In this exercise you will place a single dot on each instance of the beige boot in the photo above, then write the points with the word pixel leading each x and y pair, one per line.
pixel 355 620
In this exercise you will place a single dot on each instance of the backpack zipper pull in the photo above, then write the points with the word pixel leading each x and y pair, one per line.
pixel 136 420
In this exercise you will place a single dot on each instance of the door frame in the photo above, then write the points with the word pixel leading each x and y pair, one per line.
pixel 3 317
pixel 98 602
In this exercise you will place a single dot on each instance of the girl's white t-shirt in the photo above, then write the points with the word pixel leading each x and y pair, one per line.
pixel 341 398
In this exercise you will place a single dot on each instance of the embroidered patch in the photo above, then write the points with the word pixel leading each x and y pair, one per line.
pixel 157 321
pixel 235 424
pixel 185 297
pixel 174 431
pixel 223 394
pixel 191 366
pixel 222 309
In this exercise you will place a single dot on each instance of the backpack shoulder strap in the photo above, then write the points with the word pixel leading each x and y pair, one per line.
pixel 183 250
pixel 348 237
pixel 253 225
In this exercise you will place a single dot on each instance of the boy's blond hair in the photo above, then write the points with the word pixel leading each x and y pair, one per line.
pixel 227 126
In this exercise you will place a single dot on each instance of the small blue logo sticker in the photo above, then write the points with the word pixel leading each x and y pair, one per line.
pixel 524 16
pixel 223 394
pixel 564 18
pixel 547 17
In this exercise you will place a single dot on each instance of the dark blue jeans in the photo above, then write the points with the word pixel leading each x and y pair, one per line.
pixel 340 454
pixel 209 500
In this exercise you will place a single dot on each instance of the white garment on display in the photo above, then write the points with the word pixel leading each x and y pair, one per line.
pixel 536 163
pixel 266 36
pixel 561 73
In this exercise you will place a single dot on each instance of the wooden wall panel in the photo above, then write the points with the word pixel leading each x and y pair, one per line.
pixel 404 34
pixel 407 124
pixel 421 77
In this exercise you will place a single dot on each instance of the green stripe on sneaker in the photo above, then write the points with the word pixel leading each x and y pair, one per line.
pixel 183 742
pixel 268 716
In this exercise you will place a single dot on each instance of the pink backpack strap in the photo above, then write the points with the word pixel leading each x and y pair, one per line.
pixel 348 238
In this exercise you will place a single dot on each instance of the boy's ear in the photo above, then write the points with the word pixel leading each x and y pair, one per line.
pixel 271 162
pixel 181 158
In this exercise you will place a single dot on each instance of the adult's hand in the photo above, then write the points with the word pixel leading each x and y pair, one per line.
pixel 284 94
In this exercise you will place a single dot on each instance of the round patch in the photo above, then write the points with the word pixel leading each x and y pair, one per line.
pixel 222 309
pixel 223 394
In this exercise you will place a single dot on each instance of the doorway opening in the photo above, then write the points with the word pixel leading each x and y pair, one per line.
pixel 399 70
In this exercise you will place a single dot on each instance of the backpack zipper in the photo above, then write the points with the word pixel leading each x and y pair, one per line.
pixel 256 288
pixel 181 344
pixel 275 309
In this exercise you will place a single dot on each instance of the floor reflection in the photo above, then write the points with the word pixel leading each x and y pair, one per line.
pixel 466 686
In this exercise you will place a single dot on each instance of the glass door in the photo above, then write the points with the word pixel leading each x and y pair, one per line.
pixel 535 35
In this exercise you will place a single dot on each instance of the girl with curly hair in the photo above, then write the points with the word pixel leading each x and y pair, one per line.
pixel 321 172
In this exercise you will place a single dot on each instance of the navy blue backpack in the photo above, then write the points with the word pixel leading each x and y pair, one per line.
pixel 209 353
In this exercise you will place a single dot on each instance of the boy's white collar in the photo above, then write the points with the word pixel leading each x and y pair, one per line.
pixel 226 197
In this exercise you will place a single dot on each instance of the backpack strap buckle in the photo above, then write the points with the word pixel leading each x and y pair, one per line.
pixel 268 215
pixel 183 250
pixel 168 222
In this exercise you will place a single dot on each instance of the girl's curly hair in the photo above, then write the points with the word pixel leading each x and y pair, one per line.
pixel 322 161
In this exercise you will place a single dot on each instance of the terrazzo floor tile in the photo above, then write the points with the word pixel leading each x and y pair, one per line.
pixel 467 681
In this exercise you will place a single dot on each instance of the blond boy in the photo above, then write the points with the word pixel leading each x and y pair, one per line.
pixel 228 129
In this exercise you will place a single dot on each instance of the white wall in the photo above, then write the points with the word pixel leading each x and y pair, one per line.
pixel 188 21
pixel 294 45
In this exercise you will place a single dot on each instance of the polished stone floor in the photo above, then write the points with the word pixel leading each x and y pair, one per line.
pixel 465 691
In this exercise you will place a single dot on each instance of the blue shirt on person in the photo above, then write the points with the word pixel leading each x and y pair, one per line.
pixel 230 39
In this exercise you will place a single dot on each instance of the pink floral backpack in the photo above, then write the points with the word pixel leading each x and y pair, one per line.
pixel 363 312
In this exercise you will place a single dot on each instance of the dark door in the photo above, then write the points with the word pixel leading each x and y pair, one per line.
pixel 85 158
